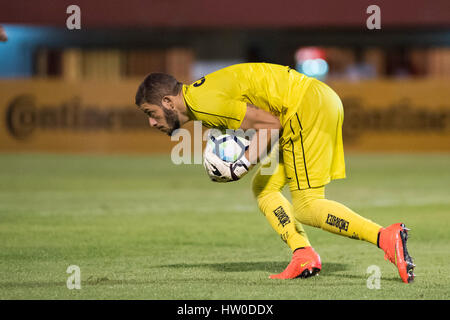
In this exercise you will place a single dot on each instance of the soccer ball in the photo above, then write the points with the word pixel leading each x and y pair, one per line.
pixel 227 147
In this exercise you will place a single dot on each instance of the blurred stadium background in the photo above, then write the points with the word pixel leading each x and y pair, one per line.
pixel 60 85
pixel 65 92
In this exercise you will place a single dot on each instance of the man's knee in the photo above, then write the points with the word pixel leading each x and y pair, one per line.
pixel 304 202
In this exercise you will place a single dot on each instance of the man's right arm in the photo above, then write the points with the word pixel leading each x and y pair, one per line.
pixel 259 120
pixel 260 143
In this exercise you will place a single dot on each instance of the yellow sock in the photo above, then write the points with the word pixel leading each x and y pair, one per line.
pixel 278 211
pixel 311 208
pixel 275 207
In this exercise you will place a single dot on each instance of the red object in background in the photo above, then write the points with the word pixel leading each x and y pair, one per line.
pixel 309 53
pixel 3 36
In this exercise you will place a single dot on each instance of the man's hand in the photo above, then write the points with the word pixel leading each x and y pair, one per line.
pixel 222 171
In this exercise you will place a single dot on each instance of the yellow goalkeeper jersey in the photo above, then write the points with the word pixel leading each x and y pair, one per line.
pixel 219 99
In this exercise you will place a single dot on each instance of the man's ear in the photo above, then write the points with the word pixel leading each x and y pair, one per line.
pixel 168 102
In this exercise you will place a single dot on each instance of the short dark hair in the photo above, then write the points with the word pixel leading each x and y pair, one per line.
pixel 155 86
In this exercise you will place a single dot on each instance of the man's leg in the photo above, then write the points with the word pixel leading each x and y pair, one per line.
pixel 267 189
pixel 311 208
pixel 278 211
pixel 313 156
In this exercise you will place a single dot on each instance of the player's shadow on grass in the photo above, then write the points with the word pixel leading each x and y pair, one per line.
pixel 266 266
pixel 329 269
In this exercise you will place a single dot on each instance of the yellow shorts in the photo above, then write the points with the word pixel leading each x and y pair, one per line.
pixel 311 142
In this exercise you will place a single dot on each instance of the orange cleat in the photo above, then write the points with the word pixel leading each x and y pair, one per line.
pixel 393 242
pixel 304 264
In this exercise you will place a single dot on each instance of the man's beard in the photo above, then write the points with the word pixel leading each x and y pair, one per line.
pixel 173 122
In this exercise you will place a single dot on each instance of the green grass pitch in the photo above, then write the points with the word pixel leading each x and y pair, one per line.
pixel 140 227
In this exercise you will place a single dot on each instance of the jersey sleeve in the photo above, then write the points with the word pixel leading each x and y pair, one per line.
pixel 215 108
pixel 228 115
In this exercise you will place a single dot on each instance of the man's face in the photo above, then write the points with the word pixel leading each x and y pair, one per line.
pixel 161 118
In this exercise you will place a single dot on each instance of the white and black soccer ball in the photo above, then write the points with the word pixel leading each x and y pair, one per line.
pixel 228 147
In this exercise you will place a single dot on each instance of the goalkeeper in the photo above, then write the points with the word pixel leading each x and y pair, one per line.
pixel 309 152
